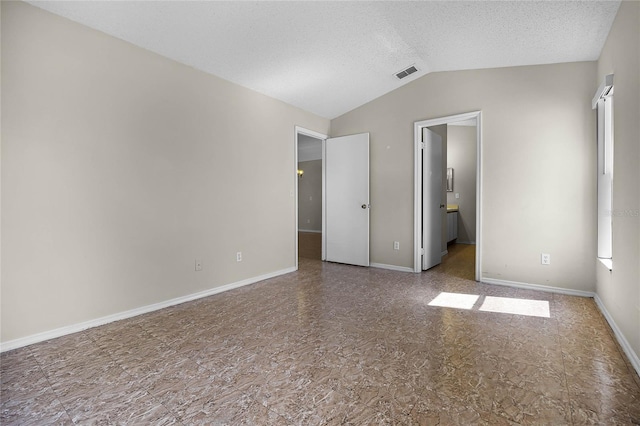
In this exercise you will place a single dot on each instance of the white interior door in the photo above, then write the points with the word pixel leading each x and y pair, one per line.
pixel 347 199
pixel 431 199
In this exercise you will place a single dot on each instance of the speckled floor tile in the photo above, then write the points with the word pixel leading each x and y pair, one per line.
pixel 333 344
pixel 31 402
pixel 602 404
pixel 526 406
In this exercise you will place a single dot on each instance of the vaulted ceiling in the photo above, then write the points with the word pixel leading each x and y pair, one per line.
pixel 331 57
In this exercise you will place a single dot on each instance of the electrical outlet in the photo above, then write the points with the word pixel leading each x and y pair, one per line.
pixel 198 264
pixel 396 245
pixel 239 256
pixel 545 259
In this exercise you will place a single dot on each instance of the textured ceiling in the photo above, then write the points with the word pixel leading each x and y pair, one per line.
pixel 331 57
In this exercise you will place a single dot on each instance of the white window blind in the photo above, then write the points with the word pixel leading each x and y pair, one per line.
pixel 603 102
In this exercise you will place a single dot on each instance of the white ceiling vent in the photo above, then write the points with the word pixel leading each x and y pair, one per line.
pixel 404 73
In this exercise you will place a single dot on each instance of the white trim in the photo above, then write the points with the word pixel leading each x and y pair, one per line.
pixel 323 254
pixel 311 133
pixel 417 193
pixel 538 287
pixel 313 231
pixel 608 263
pixel 418 146
pixel 298 131
pixel 479 162
pixel 74 328
pixel 391 267
pixel 626 347
pixel 444 253
pixel 603 90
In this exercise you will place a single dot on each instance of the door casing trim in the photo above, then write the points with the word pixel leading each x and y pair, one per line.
pixel 298 131
pixel 417 185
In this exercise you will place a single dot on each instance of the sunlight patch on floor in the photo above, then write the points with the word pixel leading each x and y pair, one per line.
pixel 455 300
pixel 508 305
pixel 503 305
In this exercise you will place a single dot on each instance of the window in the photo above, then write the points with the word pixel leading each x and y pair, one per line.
pixel 603 102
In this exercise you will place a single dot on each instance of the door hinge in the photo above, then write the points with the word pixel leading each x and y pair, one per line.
pixel 421 145
pixel 421 252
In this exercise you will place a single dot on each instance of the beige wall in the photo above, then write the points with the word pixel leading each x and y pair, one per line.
pixel 310 196
pixel 461 156
pixel 619 290
pixel 538 162
pixel 120 167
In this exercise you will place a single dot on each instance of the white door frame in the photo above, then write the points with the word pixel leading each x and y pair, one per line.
pixel 417 198
pixel 298 131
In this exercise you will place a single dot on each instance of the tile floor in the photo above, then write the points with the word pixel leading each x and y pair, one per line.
pixel 310 245
pixel 333 344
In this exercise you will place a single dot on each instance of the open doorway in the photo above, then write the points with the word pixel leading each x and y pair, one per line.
pixel 309 194
pixel 309 197
pixel 459 200
pixel 459 226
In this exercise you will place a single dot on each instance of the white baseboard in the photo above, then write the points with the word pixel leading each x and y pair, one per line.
pixel 626 347
pixel 391 267
pixel 538 287
pixel 310 230
pixel 444 253
pixel 74 328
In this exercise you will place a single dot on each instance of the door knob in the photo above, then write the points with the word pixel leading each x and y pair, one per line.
pixel 442 206
pixel 365 206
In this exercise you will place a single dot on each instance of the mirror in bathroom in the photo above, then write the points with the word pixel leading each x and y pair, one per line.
pixel 449 179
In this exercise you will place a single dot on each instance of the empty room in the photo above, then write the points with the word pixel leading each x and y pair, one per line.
pixel 320 213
